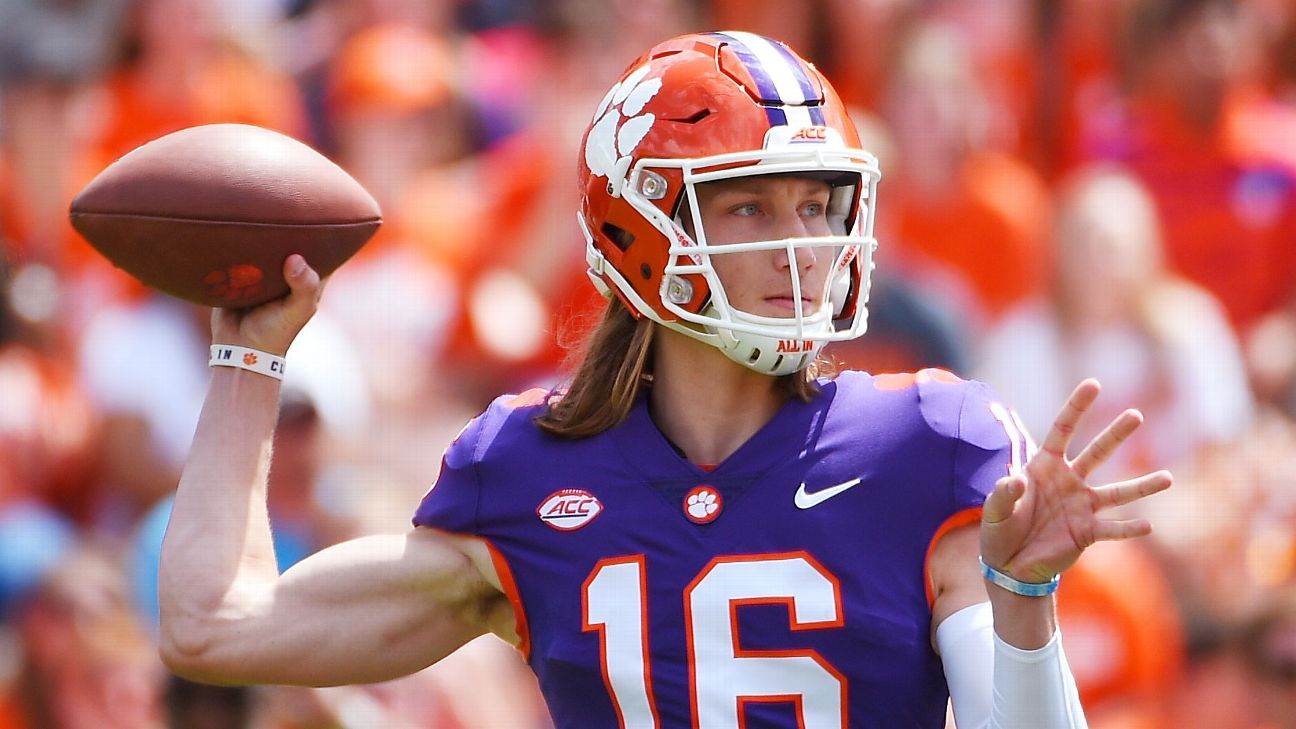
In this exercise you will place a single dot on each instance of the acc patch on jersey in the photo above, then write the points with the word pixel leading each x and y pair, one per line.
pixel 569 509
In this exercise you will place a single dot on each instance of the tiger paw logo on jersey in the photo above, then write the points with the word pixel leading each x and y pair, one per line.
pixel 249 359
pixel 702 505
pixel 569 509
pixel 611 140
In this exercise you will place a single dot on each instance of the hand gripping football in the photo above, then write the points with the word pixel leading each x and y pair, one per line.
pixel 209 213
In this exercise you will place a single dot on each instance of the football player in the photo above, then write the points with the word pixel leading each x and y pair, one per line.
pixel 699 529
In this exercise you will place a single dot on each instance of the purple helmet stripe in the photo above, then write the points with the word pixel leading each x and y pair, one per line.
pixel 798 72
pixel 803 80
pixel 764 84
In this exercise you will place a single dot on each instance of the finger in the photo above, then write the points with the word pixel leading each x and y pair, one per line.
pixel 1102 447
pixel 299 275
pixel 1001 501
pixel 304 283
pixel 1059 436
pixel 1125 492
pixel 1106 531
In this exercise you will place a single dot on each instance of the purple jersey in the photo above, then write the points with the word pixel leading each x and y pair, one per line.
pixel 786 587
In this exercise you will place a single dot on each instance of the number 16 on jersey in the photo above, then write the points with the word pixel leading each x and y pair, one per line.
pixel 722 677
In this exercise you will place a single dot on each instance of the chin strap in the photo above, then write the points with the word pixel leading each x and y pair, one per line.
pixel 767 354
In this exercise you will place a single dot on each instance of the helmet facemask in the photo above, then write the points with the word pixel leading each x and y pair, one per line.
pixel 771 344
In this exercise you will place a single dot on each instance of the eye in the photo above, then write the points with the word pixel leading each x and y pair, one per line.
pixel 745 209
pixel 813 209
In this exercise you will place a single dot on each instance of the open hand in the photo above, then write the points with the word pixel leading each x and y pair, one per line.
pixel 1036 522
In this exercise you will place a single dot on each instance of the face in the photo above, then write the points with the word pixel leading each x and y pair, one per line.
pixel 775 207
pixel 1107 240
pixel 1212 46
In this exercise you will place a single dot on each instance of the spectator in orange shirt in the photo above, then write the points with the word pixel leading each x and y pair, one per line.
pixel 185 63
pixel 49 54
pixel 178 63
pixel 1228 203
pixel 191 62
pixel 394 108
pixel 1078 84
pixel 981 215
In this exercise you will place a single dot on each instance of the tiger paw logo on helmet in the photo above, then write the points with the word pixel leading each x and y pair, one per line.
pixel 620 126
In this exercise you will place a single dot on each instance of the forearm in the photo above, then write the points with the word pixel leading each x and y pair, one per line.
pixel 1022 622
pixel 1033 685
pixel 994 685
pixel 218 555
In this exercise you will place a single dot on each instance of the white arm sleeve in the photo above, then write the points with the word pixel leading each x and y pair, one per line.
pixel 994 685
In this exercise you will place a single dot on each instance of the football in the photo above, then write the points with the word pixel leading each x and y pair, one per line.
pixel 209 213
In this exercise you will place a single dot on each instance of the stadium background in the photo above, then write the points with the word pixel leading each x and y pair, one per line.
pixel 1071 187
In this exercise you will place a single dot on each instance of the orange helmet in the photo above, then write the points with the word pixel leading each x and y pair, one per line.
pixel 713 106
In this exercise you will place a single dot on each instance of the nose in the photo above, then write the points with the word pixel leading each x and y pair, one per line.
pixel 789 223
pixel 806 258
pixel 791 227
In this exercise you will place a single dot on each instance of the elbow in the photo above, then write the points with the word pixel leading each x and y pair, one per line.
pixel 211 642
pixel 185 647
pixel 179 661
pixel 180 647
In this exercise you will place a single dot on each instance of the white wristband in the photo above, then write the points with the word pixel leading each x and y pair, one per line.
pixel 262 363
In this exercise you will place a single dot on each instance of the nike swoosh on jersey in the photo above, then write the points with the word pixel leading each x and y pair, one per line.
pixel 806 500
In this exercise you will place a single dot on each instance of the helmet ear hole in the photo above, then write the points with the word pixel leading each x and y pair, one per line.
pixel 619 236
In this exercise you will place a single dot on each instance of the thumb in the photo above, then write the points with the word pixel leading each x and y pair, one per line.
pixel 304 285
pixel 275 328
pixel 1001 501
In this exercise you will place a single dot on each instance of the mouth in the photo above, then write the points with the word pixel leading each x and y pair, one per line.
pixel 788 303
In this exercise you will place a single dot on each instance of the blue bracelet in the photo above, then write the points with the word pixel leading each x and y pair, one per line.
pixel 1016 586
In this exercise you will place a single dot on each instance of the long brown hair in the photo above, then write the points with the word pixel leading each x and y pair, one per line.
pixel 613 363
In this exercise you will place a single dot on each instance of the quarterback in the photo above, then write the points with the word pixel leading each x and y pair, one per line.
pixel 700 529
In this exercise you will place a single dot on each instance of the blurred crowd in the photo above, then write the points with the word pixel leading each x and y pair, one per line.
pixel 1071 188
